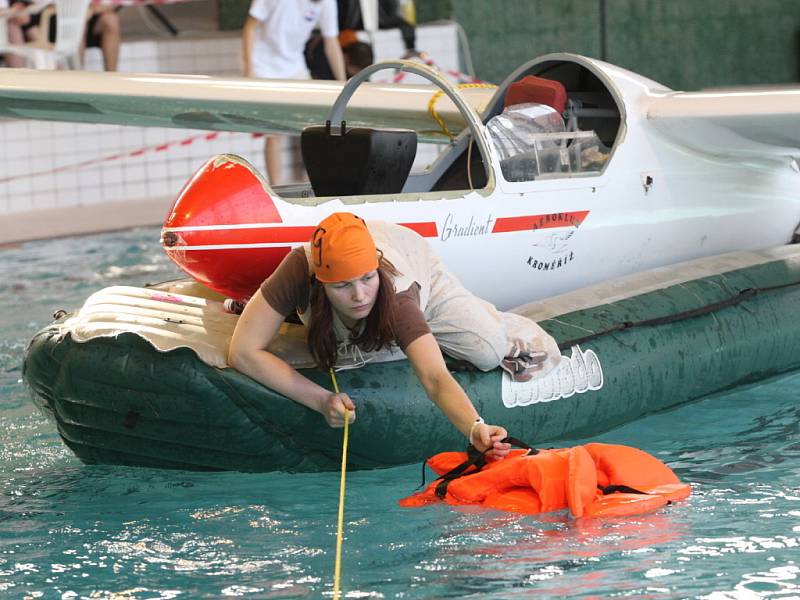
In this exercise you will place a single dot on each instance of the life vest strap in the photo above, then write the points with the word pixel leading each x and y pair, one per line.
pixel 624 489
pixel 477 460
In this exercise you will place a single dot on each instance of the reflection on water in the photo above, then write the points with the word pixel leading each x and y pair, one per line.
pixel 74 531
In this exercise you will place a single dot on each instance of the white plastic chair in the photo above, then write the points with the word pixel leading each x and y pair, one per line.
pixel 70 29
pixel 69 34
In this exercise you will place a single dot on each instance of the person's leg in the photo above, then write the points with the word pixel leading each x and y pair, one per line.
pixel 90 39
pixel 15 38
pixel 469 328
pixel 298 168
pixel 272 158
pixel 32 33
pixel 465 326
pixel 107 30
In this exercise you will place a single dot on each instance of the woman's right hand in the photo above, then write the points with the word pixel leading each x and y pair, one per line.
pixel 490 438
pixel 333 407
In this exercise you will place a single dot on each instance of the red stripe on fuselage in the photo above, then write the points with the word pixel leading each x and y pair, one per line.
pixel 427 229
pixel 534 222
pixel 274 235
pixel 245 236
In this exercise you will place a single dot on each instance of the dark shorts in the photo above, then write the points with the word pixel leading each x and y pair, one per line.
pixel 93 40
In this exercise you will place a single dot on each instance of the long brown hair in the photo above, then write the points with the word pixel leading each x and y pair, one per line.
pixel 379 326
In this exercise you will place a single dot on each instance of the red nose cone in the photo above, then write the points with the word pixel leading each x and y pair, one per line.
pixel 221 229
pixel 225 191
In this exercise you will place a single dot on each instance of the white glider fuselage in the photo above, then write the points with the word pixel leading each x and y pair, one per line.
pixel 656 201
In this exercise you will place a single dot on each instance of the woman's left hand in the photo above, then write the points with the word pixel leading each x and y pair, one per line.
pixel 490 436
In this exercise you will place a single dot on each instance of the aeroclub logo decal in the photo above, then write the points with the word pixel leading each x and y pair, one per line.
pixel 576 374
pixel 551 248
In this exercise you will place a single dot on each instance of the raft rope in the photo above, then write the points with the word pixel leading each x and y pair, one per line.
pixel 338 565
pixel 743 295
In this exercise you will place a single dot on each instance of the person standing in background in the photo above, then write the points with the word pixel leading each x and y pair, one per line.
pixel 273 42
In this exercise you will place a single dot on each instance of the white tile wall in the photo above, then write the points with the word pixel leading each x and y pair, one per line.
pixel 56 165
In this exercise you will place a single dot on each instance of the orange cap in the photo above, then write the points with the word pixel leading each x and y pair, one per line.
pixel 342 248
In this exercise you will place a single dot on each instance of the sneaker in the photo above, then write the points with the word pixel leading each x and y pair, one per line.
pixel 522 365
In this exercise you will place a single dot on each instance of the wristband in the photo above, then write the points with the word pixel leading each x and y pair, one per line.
pixel 478 421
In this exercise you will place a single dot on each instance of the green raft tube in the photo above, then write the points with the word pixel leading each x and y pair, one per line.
pixel 137 376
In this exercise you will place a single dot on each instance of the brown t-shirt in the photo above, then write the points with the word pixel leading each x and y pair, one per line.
pixel 289 287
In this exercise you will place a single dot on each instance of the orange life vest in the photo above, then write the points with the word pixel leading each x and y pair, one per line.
pixel 594 480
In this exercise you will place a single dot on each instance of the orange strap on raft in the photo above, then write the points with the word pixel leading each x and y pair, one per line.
pixel 594 480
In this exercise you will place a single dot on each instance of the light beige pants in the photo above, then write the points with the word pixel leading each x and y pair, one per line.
pixel 472 329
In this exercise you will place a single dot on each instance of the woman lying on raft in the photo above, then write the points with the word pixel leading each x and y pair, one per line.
pixel 358 300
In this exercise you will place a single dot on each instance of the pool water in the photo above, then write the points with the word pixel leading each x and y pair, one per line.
pixel 73 531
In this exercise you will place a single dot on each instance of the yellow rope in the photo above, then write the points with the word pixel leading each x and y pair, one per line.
pixel 435 98
pixel 337 568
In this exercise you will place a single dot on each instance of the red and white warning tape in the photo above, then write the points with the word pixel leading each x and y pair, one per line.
pixel 112 157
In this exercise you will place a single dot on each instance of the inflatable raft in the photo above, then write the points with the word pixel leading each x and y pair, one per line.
pixel 137 375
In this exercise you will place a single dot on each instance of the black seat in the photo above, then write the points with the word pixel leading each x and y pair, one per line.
pixel 361 161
